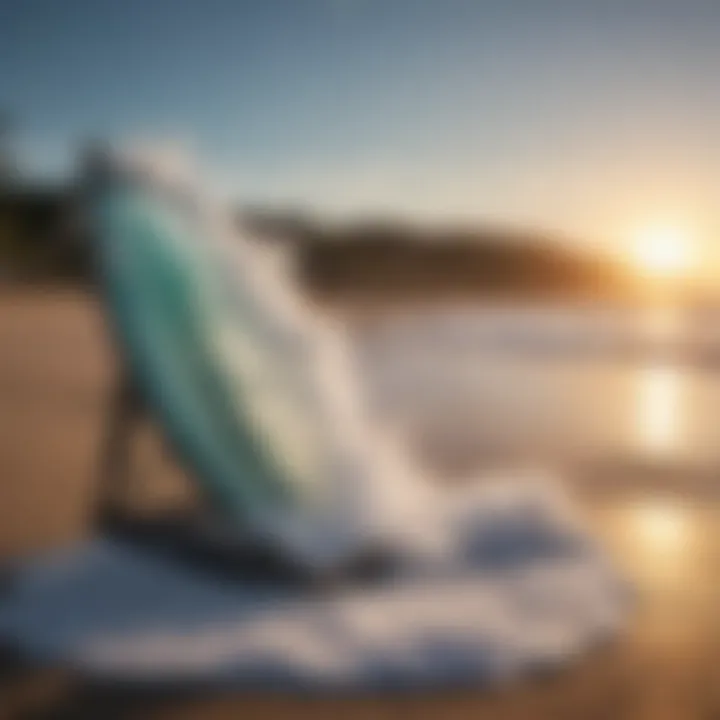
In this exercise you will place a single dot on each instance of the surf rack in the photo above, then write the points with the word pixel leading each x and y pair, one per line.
pixel 193 537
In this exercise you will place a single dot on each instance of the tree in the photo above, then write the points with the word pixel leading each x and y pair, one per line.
pixel 8 166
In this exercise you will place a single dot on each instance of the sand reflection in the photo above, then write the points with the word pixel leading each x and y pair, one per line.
pixel 658 537
pixel 660 410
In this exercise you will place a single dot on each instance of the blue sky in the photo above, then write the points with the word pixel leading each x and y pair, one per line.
pixel 577 115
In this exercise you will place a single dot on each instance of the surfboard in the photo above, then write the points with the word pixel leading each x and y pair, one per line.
pixel 223 353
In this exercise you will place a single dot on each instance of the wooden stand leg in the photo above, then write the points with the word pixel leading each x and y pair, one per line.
pixel 125 409
pixel 185 538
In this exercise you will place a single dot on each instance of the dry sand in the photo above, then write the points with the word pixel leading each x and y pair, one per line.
pixel 56 373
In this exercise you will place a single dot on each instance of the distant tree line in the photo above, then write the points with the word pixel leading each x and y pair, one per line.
pixel 42 237
pixel 391 260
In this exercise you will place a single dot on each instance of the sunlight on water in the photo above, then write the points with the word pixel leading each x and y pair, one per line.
pixel 660 411
pixel 660 537
pixel 625 389
pixel 661 526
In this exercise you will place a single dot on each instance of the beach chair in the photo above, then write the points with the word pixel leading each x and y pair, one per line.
pixel 258 400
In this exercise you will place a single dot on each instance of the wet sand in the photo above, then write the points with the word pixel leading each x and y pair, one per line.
pixel 56 374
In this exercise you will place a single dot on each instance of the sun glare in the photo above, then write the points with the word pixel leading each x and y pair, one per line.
pixel 662 251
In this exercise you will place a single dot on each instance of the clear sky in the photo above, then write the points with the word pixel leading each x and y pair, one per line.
pixel 584 116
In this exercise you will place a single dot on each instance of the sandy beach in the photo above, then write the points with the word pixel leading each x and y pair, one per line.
pixel 56 374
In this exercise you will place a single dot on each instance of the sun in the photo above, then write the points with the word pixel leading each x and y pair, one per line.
pixel 662 251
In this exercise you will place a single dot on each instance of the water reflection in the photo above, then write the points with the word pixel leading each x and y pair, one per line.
pixel 658 537
pixel 660 410
pixel 650 406
pixel 661 526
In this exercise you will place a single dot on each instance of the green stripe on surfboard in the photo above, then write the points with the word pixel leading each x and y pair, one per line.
pixel 173 318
